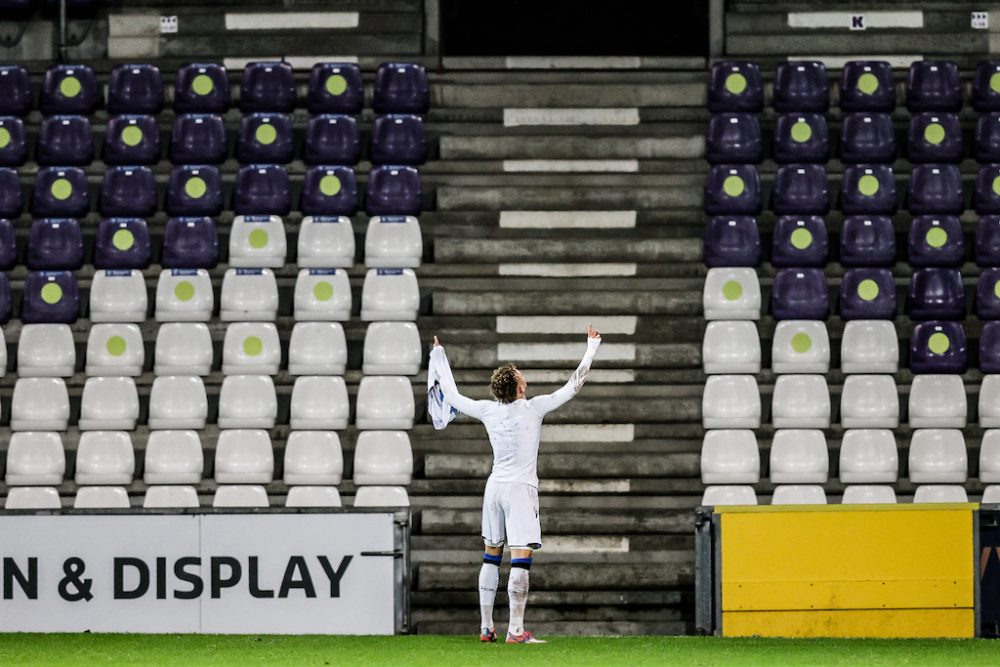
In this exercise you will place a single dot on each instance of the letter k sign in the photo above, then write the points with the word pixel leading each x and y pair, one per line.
pixel 858 22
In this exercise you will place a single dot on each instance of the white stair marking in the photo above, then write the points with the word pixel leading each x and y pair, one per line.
pixel 597 375
pixel 297 62
pixel 563 351
pixel 610 324
pixel 572 166
pixel 586 545
pixel 567 270
pixel 573 62
pixel 291 20
pixel 837 61
pixel 567 219
pixel 860 20
pixel 522 117
pixel 588 432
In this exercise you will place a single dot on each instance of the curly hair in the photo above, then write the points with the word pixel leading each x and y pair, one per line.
pixel 503 383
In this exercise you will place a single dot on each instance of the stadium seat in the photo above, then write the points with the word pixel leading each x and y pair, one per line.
pixel 989 457
pixel 869 346
pixel 5 300
pixel 325 242
pixel 800 294
pixel 732 138
pixel 393 190
pixel 986 86
pixel 799 456
pixel 46 350
pixel 868 456
pixel 319 402
pixel 732 189
pixel 393 242
pixel 383 458
pixel 50 297
pixel 868 138
pixel 317 348
pixel 177 402
pixel 394 348
pixel 257 240
pixel 244 456
pixel 10 194
pixel 170 496
pixel 32 497
pixel 267 86
pixel 313 496
pixel 937 401
pixel 868 494
pixel 122 243
pixel 988 294
pixel 800 401
pixel 190 243
pixel 39 404
pixel 313 458
pixel 194 190
pixel 725 495
pixel 183 348
pixel 869 401
pixel 867 190
pixel 987 143
pixel 184 295
pixel 127 192
pixel 249 295
pixel 384 402
pixel 799 240
pixel 728 346
pixel 381 496
pixel 731 294
pixel 201 88
pixel 730 456
pixel 332 139
pixel 799 494
pixel 989 401
pixel 390 295
pixel 867 294
pixel 934 137
pixel 240 495
pixel 3 354
pixel 69 89
pixel 101 497
pixel 115 350
pixel 799 346
pixel 336 88
pixel 935 189
pixel 936 294
pixel 867 85
pixel 329 191
pixel 731 241
pixel 109 404
pixel 15 90
pixel 118 295
pixel 940 493
pixel 262 189
pixel 936 240
pixel 135 89
pixel 251 348
pixel 35 459
pixel 60 192
pixel 400 88
pixel 991 495
pixel 322 294
pixel 801 85
pixel 8 245
pixel 938 347
pixel 933 85
pixel 801 138
pixel 735 86
pixel 731 402
pixel 247 401
pixel 198 139
pixel 54 244
pixel 13 141
pixel 265 138
pixel 986 197
pixel 800 189
pixel 989 348
pixel 401 139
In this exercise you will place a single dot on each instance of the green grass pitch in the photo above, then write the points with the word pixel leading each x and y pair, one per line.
pixel 441 651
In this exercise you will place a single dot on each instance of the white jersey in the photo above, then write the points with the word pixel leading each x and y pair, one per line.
pixel 515 428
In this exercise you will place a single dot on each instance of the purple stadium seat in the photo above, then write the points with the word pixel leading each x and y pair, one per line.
pixel 935 189
pixel 799 241
pixel 401 88
pixel 332 139
pixel 128 192
pixel 989 348
pixel 733 138
pixel 8 245
pixel 201 88
pixel 732 189
pixel 132 140
pixel 801 85
pixel 69 89
pixel 55 244
pixel 936 240
pixel 988 241
pixel 867 85
pixel 735 86
pixel 938 347
pixel 329 190
pixel 867 137
pixel 732 241
pixel 13 142
pixel 988 295
pixel 121 243
pixel 868 189
pixel 6 299
pixel 934 137
pixel 10 194
pixel 265 138
pixel 801 137
pixel 936 294
pixel 986 86
pixel 336 88
pixel 17 10
pixel 986 197
pixel 867 294
pixel 194 190
pixel 262 189
pixel 65 140
pixel 135 89
pixel 988 137
pixel 15 90
pixel 800 189
pixel 800 294
pixel 267 86
pixel 198 138
pixel 867 240
pixel 60 192
pixel 394 190
pixel 933 85
pixel 400 139
pixel 190 243
pixel 50 297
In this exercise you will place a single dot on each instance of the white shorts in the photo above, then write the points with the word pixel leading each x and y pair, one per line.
pixel 510 515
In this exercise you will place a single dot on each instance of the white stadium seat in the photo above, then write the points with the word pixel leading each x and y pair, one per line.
pixel 991 495
pixel 385 403
pixel 247 401
pixel 248 295
pixel 730 346
pixel 240 495
pixel 869 401
pixel 313 496
pixel 35 459
pixel 319 402
pixel 39 404
pixel 166 497
pixel 801 401
pixel 183 348
pixel 115 349
pixel 938 456
pixel 184 295
pixel 326 242
pixel 381 496
pixel 3 354
pixel 322 294
pixel 383 458
pixel 390 295
pixel 799 494
pixel 869 346
pixel 868 494
pixel 392 348
pixel 257 240
pixel 251 348
pixel 731 401
pixel 173 457
pixel 109 404
pixel 940 493
pixel 101 497
pixel 46 350
pixel 105 457
pixel 989 401
pixel 118 295
pixel 244 456
pixel 937 401
pixel 868 456
pixel 729 495
pixel 731 294
pixel 313 458
pixel 317 348
pixel 800 346
pixel 989 457
pixel 178 402
pixel 799 456
pixel 32 498
pixel 730 456
pixel 393 242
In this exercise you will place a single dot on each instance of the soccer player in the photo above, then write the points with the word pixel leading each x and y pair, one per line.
pixel 510 503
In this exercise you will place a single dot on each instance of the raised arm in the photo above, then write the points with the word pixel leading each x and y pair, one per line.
pixel 549 402
pixel 461 403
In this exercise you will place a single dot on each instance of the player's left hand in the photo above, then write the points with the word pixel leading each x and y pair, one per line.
pixel 592 332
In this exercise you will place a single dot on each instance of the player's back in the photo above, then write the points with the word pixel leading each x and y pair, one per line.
pixel 514 430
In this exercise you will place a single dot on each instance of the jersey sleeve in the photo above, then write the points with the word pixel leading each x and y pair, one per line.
pixel 549 402
pixel 463 404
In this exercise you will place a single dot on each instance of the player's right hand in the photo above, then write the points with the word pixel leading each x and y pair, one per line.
pixel 591 332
